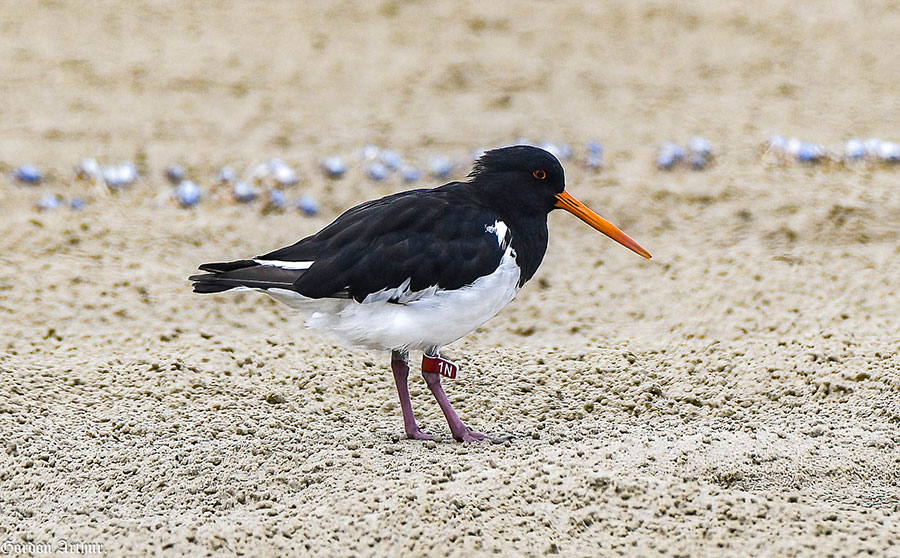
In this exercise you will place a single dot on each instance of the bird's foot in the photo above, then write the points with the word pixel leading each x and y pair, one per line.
pixel 467 435
pixel 416 434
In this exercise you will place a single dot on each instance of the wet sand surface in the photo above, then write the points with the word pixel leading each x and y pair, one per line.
pixel 739 394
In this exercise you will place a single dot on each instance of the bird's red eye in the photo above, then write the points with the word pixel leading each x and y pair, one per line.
pixel 539 174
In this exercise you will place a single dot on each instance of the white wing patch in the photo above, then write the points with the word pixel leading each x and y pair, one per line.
pixel 285 265
pixel 401 294
pixel 500 229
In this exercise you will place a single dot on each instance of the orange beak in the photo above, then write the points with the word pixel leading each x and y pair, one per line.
pixel 564 200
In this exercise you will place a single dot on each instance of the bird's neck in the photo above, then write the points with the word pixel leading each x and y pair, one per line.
pixel 529 240
pixel 527 225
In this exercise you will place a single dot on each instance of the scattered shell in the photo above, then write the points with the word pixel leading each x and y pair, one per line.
pixel 697 161
pixel 391 159
pixel 276 199
pixel 283 174
pixel 49 202
pixel 275 172
pixel 187 193
pixel 873 147
pixel 669 155
pixel 334 167
pixel 88 169
pixel 700 146
pixel 226 175
pixel 28 174
pixel 777 144
pixel 889 152
pixel 119 176
pixel 699 152
pixel 175 173
pixel 111 177
pixel 793 147
pixel 410 174
pixel 243 192
pixel 809 153
pixel 128 172
pixel 307 205
pixel 440 166
pixel 594 161
pixel 854 149
pixel 376 171
pixel 261 173
pixel 370 152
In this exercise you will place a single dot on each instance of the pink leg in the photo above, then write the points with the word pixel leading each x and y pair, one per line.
pixel 400 367
pixel 459 430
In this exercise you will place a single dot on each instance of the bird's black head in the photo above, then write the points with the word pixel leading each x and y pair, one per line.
pixel 525 182
pixel 522 177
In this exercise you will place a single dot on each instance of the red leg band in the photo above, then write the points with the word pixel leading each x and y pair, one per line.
pixel 438 365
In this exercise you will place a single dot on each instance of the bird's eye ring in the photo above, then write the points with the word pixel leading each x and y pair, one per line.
pixel 539 174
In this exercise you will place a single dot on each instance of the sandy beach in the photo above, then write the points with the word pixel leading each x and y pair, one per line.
pixel 737 395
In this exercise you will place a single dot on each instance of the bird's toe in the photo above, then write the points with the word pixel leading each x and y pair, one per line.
pixel 419 435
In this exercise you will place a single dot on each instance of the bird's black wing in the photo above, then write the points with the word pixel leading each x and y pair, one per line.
pixel 409 242
pixel 428 238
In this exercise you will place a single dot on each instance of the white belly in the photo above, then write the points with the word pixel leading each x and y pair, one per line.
pixel 433 320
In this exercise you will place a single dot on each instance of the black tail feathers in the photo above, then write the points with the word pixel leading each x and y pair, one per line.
pixel 225 276
pixel 211 283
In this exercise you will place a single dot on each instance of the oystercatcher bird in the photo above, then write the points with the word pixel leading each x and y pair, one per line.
pixel 420 269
